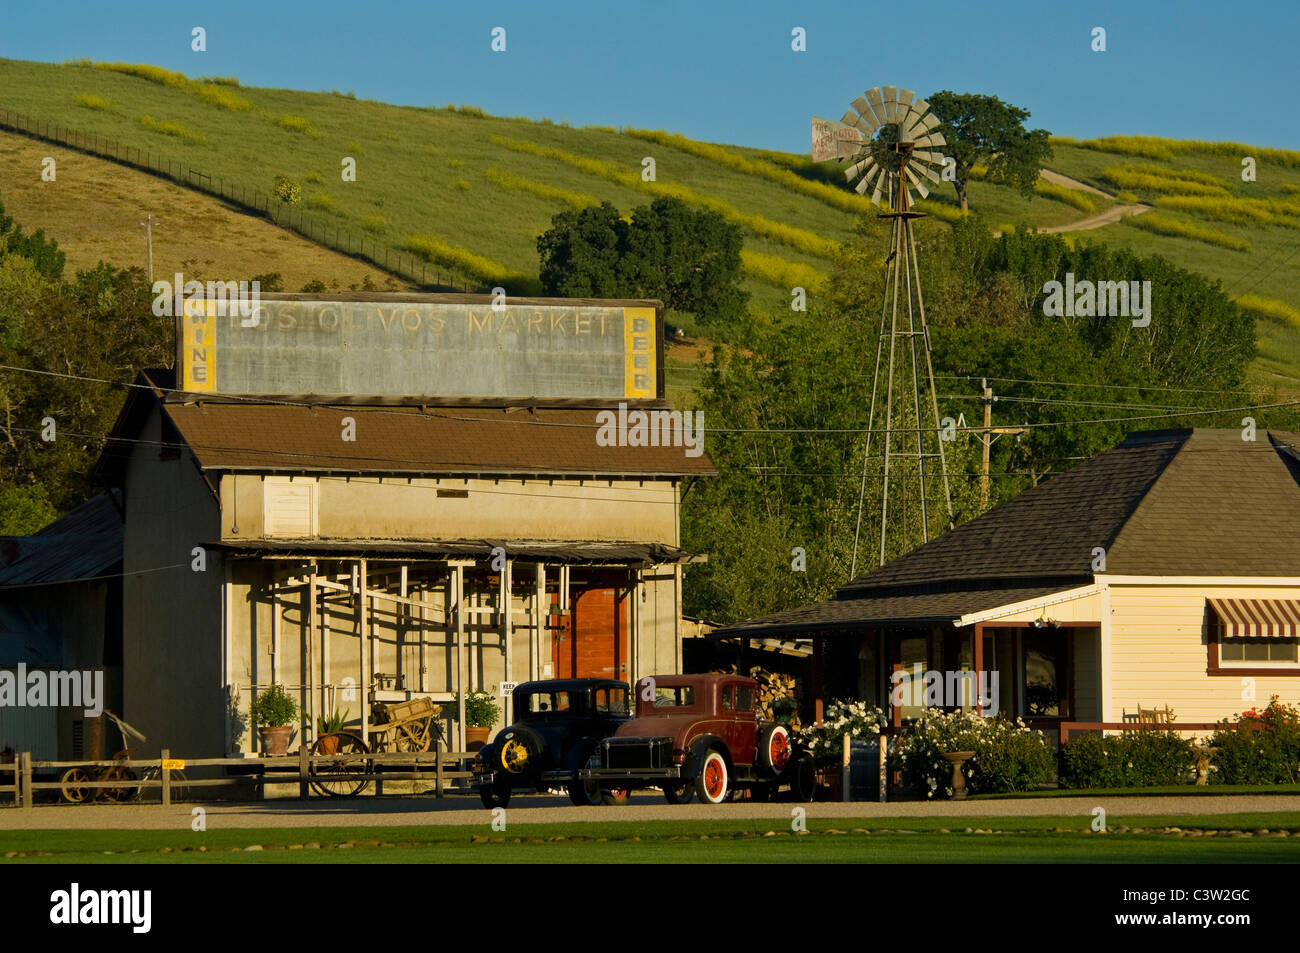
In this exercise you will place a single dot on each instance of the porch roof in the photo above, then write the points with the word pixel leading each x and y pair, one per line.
pixel 940 607
pixel 589 552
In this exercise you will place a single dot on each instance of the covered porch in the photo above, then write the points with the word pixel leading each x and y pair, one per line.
pixel 343 625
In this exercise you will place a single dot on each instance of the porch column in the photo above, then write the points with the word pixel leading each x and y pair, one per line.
pixel 539 622
pixel 363 623
pixel 458 593
pixel 507 635
pixel 818 684
pixel 977 653
pixel 309 641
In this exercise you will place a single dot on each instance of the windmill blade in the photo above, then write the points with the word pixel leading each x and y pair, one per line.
pixel 905 97
pixel 880 181
pixel 923 156
pixel 920 186
pixel 890 95
pixel 928 122
pixel 862 168
pixel 877 103
pixel 862 124
pixel 863 110
pixel 930 174
pixel 933 139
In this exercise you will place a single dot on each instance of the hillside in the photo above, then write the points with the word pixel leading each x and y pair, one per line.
pixel 470 193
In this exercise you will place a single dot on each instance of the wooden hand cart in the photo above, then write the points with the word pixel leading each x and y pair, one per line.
pixel 398 726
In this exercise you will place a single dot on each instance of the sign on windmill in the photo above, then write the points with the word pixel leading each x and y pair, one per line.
pixel 834 140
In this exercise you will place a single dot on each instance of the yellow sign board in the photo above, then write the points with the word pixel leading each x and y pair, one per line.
pixel 641 378
pixel 199 347
pixel 173 764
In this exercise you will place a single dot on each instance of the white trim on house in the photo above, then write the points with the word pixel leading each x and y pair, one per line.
pixel 1027 605
pixel 1199 580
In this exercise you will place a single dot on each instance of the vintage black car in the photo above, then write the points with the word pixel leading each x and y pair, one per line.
pixel 558 724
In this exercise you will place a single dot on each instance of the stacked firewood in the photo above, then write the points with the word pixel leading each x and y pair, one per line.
pixel 772 686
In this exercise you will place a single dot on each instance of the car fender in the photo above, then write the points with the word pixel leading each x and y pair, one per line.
pixel 698 748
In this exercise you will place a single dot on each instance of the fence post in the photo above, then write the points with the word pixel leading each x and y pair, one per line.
pixel 29 796
pixel 437 769
pixel 846 768
pixel 302 770
pixel 166 778
pixel 883 746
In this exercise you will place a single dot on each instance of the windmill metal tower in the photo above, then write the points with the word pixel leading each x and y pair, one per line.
pixel 889 135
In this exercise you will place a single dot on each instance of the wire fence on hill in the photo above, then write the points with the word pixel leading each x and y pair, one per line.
pixel 398 263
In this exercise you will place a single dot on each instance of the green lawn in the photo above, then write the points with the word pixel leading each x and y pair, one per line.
pixel 839 840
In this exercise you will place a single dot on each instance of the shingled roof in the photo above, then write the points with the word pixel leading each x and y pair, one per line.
pixel 268 436
pixel 1162 503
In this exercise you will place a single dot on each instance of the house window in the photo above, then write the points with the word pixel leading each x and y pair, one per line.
pixel 1044 666
pixel 1259 650
pixel 289 507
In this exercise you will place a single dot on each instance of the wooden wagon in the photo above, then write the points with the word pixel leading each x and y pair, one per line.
pixel 396 726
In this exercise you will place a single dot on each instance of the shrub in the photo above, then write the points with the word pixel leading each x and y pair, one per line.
pixel 1271 308
pixel 312 177
pixel 220 80
pixel 286 190
pixel 455 163
pixel 323 201
pixel 1260 747
pixel 1008 756
pixel 840 718
pixel 273 708
pixel 1164 225
pixel 91 101
pixel 1142 759
pixel 1059 193
pixel 374 223
pixel 1124 195
pixel 223 98
pixel 481 710
pixel 173 129
pixel 297 124
pixel 460 185
pixel 154 74
pixel 314 287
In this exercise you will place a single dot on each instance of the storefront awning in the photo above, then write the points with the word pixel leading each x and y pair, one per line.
pixel 1258 618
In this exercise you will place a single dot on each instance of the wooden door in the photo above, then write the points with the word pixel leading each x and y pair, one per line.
pixel 591 642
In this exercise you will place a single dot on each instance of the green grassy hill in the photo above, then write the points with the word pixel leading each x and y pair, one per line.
pixel 470 193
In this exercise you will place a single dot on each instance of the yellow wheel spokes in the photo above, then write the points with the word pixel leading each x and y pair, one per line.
pixel 514 756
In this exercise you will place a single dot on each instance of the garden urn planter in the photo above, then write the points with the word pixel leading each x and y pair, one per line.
pixel 476 737
pixel 275 741
pixel 957 759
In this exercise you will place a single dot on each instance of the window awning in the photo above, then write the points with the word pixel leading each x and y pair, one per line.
pixel 1258 618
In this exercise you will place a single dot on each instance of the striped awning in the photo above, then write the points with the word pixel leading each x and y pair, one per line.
pixel 1258 618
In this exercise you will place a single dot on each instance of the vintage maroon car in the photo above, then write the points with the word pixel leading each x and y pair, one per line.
pixel 701 735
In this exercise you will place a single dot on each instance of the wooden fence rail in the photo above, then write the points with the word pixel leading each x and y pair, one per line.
pixel 300 769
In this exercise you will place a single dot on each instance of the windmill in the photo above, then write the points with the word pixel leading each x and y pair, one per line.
pixel 890 138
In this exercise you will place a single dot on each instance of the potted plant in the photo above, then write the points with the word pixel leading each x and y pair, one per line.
pixel 274 712
pixel 481 713
pixel 327 730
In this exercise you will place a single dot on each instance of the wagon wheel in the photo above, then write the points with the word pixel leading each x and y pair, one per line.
pixel 339 778
pixel 414 735
pixel 72 782
pixel 117 773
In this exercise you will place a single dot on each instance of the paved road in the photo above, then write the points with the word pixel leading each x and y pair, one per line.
pixel 419 811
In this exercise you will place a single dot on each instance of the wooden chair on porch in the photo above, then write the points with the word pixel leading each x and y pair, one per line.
pixel 1147 716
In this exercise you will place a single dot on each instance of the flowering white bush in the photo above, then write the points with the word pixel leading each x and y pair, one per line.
pixel 1008 756
pixel 858 720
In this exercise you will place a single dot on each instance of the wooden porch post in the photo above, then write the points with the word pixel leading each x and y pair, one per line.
pixel 977 652
pixel 507 634
pixel 818 684
pixel 458 590
pixel 539 622
pixel 363 621
pixel 309 642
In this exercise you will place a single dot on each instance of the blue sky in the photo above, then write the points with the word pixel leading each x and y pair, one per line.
pixel 725 71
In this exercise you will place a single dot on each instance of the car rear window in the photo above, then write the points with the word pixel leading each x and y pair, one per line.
pixel 544 703
pixel 677 696
pixel 611 700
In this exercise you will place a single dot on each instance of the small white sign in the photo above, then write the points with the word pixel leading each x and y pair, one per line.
pixel 507 689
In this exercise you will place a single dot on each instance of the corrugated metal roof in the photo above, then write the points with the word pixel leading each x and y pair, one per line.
pixel 86 542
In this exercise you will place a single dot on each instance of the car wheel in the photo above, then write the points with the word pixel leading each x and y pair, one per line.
pixel 583 793
pixel 679 794
pixel 803 783
pixel 713 782
pixel 774 748
pixel 616 796
pixel 518 752
pixel 495 794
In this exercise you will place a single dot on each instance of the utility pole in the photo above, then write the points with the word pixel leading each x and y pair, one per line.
pixel 148 224
pixel 987 434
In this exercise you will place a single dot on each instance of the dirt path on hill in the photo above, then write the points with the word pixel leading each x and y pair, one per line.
pixel 1108 217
